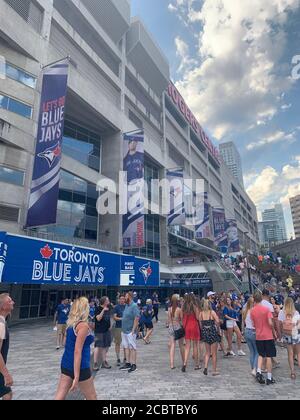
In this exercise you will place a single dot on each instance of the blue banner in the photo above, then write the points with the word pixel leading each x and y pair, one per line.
pixel 202 231
pixel 133 166
pixel 219 225
pixel 3 253
pixel 42 208
pixel 232 236
pixel 176 216
pixel 35 261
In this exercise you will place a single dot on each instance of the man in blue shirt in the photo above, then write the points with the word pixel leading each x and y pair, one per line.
pixel 117 331
pixel 60 322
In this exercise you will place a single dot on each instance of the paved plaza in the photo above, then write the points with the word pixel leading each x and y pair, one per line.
pixel 35 366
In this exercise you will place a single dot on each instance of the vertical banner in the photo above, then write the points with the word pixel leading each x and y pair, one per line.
pixel 134 167
pixel 3 253
pixel 43 199
pixel 202 230
pixel 176 216
pixel 232 236
pixel 219 226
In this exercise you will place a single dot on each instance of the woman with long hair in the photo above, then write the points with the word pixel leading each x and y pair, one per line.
pixel 250 335
pixel 210 325
pixel 192 330
pixel 275 318
pixel 231 317
pixel 175 324
pixel 201 344
pixel 289 320
pixel 75 364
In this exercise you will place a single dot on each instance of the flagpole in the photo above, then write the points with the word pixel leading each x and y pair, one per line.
pixel 57 61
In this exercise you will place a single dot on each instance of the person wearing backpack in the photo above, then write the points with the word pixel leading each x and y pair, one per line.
pixel 289 320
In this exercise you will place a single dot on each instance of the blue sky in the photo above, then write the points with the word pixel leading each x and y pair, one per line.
pixel 232 62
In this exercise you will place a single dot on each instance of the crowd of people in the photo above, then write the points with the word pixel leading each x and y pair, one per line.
pixel 202 327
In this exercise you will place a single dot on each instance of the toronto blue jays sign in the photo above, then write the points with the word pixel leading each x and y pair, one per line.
pixel 32 261
pixel 42 208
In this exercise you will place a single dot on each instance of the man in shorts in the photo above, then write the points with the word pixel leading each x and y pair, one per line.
pixel 6 381
pixel 117 330
pixel 60 321
pixel 262 319
pixel 130 322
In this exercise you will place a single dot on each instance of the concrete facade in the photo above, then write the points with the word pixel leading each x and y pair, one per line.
pixel 295 208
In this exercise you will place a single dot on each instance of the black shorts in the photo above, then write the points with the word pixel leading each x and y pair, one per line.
pixel 149 325
pixel 4 390
pixel 85 374
pixel 266 348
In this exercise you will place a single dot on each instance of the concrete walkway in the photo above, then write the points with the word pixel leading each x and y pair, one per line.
pixel 35 366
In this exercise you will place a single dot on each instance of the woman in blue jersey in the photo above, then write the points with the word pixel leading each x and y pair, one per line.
pixel 75 364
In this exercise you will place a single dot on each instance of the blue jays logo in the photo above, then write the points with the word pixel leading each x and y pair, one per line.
pixel 146 270
pixel 51 154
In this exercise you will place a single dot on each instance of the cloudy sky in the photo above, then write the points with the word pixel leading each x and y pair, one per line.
pixel 232 62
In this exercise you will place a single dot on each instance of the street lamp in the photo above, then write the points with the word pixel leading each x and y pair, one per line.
pixel 248 266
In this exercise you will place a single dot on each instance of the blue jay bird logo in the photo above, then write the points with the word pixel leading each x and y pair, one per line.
pixel 51 154
pixel 146 271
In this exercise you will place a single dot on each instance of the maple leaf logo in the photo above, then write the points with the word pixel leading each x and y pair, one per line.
pixel 46 252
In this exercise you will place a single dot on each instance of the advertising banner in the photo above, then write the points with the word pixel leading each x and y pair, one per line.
pixel 35 261
pixel 219 226
pixel 202 230
pixel 133 166
pixel 3 253
pixel 232 236
pixel 42 208
pixel 177 214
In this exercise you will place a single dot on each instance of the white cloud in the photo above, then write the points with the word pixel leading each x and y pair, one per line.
pixel 182 51
pixel 241 44
pixel 276 137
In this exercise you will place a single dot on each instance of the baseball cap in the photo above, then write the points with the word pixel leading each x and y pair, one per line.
pixel 209 294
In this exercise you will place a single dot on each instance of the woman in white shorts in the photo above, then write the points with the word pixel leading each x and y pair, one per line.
pixel 231 317
pixel 289 321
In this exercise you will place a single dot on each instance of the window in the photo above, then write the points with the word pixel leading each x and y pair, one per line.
pixel 30 11
pixel 15 106
pixel 9 214
pixel 11 176
pixel 20 76
pixel 77 215
pixel 82 145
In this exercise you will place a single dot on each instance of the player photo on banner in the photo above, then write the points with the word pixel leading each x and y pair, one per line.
pixel 177 213
pixel 134 166
pixel 202 230
pixel 232 236
pixel 219 225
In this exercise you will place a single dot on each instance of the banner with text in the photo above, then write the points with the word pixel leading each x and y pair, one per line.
pixel 202 230
pixel 42 209
pixel 134 166
pixel 176 216
pixel 219 226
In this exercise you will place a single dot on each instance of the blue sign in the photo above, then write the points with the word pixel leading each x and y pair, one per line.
pixel 34 261
pixel 3 253
pixel 42 208
pixel 186 283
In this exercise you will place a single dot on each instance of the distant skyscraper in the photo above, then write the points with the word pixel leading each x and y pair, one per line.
pixel 272 229
pixel 295 207
pixel 232 158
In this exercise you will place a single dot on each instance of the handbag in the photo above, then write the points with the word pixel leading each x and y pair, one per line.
pixel 288 326
pixel 178 334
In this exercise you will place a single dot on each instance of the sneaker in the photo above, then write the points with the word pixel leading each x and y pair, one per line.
pixel 253 373
pixel 126 366
pixel 57 348
pixel 105 366
pixel 271 381
pixel 260 379
pixel 232 353
pixel 96 368
pixel 241 353
pixel 132 369
pixel 118 362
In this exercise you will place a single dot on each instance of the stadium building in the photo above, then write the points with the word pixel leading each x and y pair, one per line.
pixel 119 81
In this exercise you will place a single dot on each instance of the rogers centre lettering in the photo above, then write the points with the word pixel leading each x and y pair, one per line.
pixel 191 119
